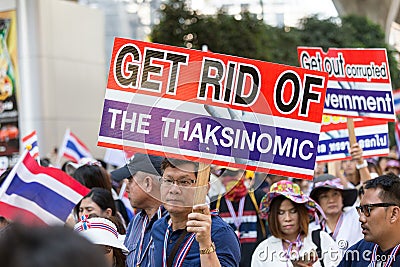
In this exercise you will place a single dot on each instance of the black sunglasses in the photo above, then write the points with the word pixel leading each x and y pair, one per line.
pixel 366 209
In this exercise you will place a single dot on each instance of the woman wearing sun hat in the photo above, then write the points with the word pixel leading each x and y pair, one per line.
pixel 103 232
pixel 288 212
pixel 342 224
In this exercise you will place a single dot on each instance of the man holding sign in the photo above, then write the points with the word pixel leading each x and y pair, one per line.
pixel 190 235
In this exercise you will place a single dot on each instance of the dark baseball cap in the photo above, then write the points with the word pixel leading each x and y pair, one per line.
pixel 140 162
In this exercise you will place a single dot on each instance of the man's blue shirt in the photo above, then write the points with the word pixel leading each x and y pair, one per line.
pixel 360 255
pixel 225 240
pixel 133 239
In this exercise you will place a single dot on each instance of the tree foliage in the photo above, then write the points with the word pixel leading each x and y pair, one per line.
pixel 246 36
pixel 249 37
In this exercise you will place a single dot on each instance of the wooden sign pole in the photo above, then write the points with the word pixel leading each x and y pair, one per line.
pixel 202 184
pixel 352 134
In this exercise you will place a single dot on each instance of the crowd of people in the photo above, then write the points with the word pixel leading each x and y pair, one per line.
pixel 348 217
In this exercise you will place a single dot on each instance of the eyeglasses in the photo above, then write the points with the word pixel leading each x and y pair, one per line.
pixel 180 183
pixel 366 209
pixel 104 249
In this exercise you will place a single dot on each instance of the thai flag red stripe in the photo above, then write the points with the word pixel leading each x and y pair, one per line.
pixel 24 139
pixel 23 216
pixel 56 174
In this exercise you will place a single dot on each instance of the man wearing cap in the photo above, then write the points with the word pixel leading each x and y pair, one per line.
pixel 143 188
pixel 336 202
pixel 190 236
pixel 239 208
pixel 379 213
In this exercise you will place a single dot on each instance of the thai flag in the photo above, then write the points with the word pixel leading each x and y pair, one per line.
pixel 72 148
pixel 396 101
pixel 32 194
pixel 397 135
pixel 30 142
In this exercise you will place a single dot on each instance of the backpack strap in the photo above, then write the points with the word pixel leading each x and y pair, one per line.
pixel 253 199
pixel 316 238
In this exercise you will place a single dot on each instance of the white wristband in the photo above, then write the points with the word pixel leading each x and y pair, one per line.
pixel 362 165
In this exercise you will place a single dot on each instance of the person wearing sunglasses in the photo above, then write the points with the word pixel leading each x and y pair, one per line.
pixel 379 213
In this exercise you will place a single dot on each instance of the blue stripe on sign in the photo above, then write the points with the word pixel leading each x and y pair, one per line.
pixel 34 144
pixel 256 141
pixel 73 147
pixel 43 196
pixel 357 100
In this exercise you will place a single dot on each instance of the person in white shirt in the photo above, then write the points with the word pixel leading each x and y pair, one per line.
pixel 288 212
pixel 337 203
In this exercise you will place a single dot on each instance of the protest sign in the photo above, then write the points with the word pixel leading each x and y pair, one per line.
pixel 212 108
pixel 371 134
pixel 359 80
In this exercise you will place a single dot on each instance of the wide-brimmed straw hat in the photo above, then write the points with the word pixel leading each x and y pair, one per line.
pixel 100 231
pixel 329 181
pixel 291 191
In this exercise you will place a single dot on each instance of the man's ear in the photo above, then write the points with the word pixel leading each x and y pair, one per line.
pixel 148 184
pixel 395 217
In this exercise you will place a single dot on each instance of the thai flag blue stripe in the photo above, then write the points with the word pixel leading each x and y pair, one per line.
pixel 73 147
pixel 43 196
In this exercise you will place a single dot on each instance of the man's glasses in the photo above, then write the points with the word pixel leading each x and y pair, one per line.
pixel 180 183
pixel 366 209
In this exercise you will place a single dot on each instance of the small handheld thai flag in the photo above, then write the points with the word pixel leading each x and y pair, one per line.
pixel 397 135
pixel 36 195
pixel 396 101
pixel 72 148
pixel 30 142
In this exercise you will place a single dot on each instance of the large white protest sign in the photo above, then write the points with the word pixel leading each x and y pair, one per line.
pixel 359 80
pixel 212 108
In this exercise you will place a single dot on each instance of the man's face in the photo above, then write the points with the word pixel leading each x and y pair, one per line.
pixel 375 226
pixel 135 191
pixel 229 176
pixel 178 188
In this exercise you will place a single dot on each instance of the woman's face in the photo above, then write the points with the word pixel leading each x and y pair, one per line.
pixel 110 258
pixel 331 202
pixel 108 254
pixel 288 218
pixel 88 207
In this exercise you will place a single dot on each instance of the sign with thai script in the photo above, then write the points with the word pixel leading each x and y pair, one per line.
pixel 359 80
pixel 372 136
pixel 213 108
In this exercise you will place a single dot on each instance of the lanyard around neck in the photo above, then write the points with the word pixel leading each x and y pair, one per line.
pixel 391 257
pixel 140 256
pixel 237 220
pixel 184 250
